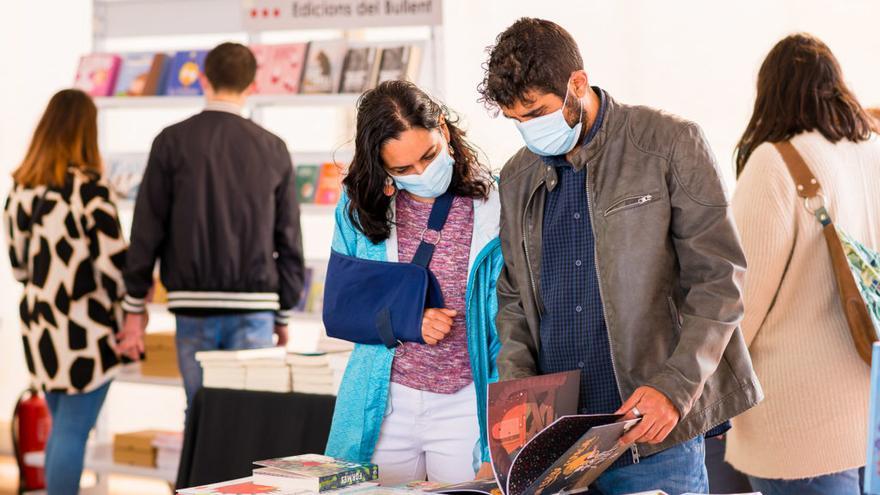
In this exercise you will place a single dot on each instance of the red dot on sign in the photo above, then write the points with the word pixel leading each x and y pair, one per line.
pixel 277 12
pixel 254 12
pixel 265 12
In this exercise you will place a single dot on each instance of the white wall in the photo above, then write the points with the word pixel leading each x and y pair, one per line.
pixel 41 45
pixel 694 58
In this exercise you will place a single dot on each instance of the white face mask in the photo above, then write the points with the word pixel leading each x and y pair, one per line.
pixel 550 135
pixel 433 181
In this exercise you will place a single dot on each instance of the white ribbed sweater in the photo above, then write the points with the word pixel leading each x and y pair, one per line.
pixel 814 418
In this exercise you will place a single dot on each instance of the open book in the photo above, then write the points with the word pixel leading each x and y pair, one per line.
pixel 537 442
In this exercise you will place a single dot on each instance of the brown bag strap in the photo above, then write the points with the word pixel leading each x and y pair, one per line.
pixel 859 321
pixel 804 180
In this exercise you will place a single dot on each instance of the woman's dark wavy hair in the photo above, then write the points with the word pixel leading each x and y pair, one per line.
pixel 801 88
pixel 384 113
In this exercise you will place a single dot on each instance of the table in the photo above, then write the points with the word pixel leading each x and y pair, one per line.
pixel 228 430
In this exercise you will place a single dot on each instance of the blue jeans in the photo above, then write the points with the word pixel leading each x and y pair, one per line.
pixel 73 417
pixel 212 333
pixel 844 483
pixel 677 470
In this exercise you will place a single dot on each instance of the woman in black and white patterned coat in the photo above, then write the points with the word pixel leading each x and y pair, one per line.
pixel 66 247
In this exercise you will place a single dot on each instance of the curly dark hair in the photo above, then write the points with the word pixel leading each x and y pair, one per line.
pixel 801 88
pixel 532 54
pixel 384 113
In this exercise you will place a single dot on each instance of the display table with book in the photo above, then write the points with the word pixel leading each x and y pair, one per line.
pixel 228 429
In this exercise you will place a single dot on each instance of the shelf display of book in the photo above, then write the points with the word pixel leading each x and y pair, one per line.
pixel 316 68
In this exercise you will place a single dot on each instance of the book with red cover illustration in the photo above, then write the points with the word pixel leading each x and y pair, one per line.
pixel 279 67
pixel 241 486
pixel 97 73
pixel 329 184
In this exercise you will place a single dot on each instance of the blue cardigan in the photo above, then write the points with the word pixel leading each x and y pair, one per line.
pixel 363 395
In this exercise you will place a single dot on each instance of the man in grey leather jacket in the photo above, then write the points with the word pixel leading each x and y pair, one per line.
pixel 622 260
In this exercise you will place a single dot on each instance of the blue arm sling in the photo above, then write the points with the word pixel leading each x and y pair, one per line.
pixel 381 302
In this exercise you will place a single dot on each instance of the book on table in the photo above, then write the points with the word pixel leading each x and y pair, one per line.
pixel 316 473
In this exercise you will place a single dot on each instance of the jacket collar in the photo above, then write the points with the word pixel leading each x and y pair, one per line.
pixel 584 154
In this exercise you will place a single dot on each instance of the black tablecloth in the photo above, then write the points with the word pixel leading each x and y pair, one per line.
pixel 228 430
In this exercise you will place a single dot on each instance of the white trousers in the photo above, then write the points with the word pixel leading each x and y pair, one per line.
pixel 428 434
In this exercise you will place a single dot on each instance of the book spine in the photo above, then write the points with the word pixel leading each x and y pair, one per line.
pixel 154 78
pixel 348 478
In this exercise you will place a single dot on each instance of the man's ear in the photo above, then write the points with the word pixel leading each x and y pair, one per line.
pixel 579 83
pixel 206 84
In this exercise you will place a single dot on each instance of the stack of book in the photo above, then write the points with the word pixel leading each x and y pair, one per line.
pixel 227 369
pixel 318 373
pixel 267 375
pixel 299 475
pixel 168 447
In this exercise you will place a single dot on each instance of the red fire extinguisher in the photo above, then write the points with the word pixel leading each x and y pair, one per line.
pixel 31 424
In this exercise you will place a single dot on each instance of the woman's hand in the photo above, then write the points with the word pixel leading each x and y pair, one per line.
pixel 437 324
pixel 130 341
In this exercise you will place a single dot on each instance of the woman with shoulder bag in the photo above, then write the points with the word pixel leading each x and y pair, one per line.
pixel 418 410
pixel 809 145
pixel 67 249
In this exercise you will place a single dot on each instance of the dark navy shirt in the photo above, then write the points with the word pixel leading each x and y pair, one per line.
pixel 573 331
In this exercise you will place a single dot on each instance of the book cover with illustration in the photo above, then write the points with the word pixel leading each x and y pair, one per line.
pixel 360 69
pixel 400 63
pixel 183 73
pixel 241 486
pixel 872 466
pixel 97 73
pixel 306 183
pixel 538 445
pixel 140 74
pixel 279 68
pixel 321 473
pixel 329 186
pixel 323 67
pixel 124 173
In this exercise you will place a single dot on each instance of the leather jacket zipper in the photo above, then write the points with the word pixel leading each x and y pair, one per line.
pixel 627 203
pixel 634 451
pixel 526 247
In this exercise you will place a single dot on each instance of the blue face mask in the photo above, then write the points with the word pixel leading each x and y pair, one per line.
pixel 433 181
pixel 550 135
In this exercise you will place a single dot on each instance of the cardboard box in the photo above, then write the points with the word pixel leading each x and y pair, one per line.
pixel 136 448
pixel 161 356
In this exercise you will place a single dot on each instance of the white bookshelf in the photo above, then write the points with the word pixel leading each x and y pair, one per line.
pixel 99 459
